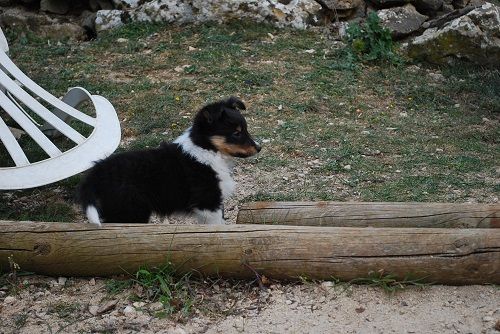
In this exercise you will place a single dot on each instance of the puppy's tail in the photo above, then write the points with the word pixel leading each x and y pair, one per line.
pixel 87 198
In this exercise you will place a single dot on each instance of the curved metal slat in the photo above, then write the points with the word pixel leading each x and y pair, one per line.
pixel 40 110
pixel 9 66
pixel 9 141
pixel 28 126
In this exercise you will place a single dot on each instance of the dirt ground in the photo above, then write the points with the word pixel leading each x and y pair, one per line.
pixel 49 305
pixel 82 305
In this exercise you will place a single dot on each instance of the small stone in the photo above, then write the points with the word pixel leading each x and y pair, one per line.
pixel 190 48
pixel 156 306
pixel 457 105
pixel 488 319
pixel 497 325
pixel 107 306
pixel 139 304
pixel 327 285
pixel 62 280
pixel 437 77
pixel 92 282
pixel 93 309
pixel 122 40
pixel 347 167
pixel 289 302
pixel 360 309
pixel 310 51
pixel 365 132
pixel 485 119
pixel 9 300
pixel 439 150
pixel 129 310
pixel 403 114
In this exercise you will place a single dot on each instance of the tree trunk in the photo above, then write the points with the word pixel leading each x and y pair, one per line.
pixel 450 256
pixel 361 214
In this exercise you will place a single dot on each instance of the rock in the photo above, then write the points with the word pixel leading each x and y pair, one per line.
pixel 40 24
pixel 488 319
pixel 347 167
pixel 62 280
pixel 55 6
pixel 401 21
pixel 122 4
pixel 108 19
pixel 121 40
pixel 429 7
pixel 9 300
pixel 342 4
pixel 109 305
pixel 93 309
pixel 474 37
pixel 129 311
pixel 156 306
pixel 138 304
pixel 105 4
pixel 59 31
pixel 297 14
pixel 389 3
pixel 87 21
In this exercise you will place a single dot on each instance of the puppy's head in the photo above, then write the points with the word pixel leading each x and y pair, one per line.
pixel 221 127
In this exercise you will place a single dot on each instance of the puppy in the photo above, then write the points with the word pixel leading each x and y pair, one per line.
pixel 189 175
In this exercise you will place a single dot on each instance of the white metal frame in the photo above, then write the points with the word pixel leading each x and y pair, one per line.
pixel 104 139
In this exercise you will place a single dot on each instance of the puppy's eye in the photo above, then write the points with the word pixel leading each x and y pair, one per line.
pixel 237 134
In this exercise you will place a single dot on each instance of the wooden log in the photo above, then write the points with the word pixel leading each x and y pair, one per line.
pixel 450 256
pixel 362 214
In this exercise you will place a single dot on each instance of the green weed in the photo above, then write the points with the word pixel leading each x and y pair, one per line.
pixel 390 283
pixel 164 284
pixel 370 41
pixel 114 287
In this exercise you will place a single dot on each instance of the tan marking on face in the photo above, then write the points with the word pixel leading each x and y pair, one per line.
pixel 231 149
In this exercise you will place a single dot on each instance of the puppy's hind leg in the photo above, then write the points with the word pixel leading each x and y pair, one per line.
pixel 210 217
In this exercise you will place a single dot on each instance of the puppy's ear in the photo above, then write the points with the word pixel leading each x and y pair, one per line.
pixel 212 114
pixel 235 103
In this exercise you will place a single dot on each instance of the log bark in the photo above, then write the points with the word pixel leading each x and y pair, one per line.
pixel 363 214
pixel 450 256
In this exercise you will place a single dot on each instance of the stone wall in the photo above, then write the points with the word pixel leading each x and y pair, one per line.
pixel 434 30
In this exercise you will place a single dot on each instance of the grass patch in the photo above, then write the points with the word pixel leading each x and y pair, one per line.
pixel 405 135
pixel 164 284
pixel 114 286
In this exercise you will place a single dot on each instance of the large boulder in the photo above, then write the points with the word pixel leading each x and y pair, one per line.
pixel 474 37
pixel 41 24
pixel 401 21
pixel 54 6
pixel 294 13
pixel 430 7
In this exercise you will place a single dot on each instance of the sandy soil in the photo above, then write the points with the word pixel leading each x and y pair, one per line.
pixel 71 305
pixel 48 305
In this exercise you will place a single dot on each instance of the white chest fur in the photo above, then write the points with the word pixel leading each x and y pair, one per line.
pixel 216 161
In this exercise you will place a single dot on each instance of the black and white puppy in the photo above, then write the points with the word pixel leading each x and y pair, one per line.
pixel 190 175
